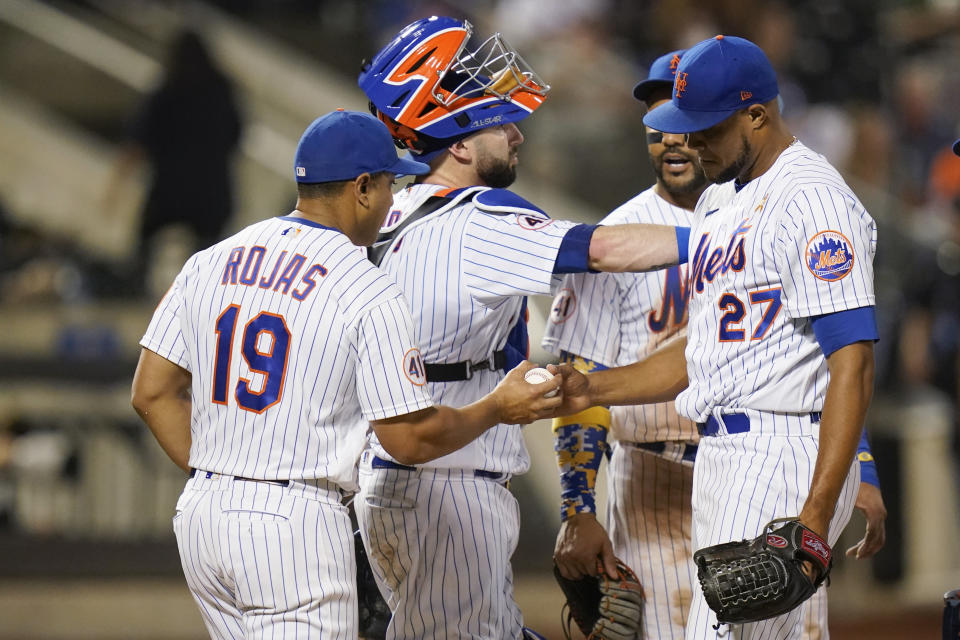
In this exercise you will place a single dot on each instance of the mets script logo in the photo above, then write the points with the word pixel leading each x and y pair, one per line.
pixel 776 541
pixel 414 368
pixel 681 84
pixel 829 256
pixel 563 306
pixel 816 546
pixel 709 262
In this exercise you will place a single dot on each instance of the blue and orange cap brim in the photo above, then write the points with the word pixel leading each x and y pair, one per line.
pixel 669 119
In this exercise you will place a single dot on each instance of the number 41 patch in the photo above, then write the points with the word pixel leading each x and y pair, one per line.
pixel 414 368
pixel 531 222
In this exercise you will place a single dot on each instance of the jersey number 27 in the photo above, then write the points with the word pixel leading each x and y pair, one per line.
pixel 271 363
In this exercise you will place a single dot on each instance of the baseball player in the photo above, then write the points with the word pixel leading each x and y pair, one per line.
pixel 605 320
pixel 776 369
pixel 259 372
pixel 466 252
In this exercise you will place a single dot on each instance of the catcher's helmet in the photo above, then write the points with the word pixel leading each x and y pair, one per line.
pixel 430 89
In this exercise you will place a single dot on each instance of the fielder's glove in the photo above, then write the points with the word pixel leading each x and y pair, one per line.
pixel 762 578
pixel 603 608
pixel 374 614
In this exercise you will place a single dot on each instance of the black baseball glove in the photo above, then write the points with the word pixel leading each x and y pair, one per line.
pixel 604 608
pixel 762 578
pixel 374 614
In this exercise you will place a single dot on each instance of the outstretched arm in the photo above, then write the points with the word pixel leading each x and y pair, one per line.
pixel 637 247
pixel 657 378
pixel 421 436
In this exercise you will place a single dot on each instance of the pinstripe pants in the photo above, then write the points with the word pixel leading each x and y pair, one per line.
pixel 648 516
pixel 740 483
pixel 267 561
pixel 440 543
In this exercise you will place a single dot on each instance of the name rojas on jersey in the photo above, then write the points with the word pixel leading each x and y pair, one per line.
pixel 790 244
pixel 284 306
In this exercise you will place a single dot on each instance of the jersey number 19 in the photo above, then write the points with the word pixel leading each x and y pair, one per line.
pixel 271 362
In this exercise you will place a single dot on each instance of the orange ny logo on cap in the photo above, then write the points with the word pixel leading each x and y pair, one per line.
pixel 681 84
pixel 674 63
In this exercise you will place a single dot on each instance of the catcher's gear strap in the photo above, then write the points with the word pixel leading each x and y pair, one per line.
pixel 434 205
pixel 454 371
pixel 580 441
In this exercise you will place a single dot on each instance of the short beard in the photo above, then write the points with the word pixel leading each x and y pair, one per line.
pixel 734 170
pixel 693 185
pixel 496 172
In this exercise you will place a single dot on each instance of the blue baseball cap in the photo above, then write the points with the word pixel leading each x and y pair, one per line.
pixel 715 79
pixel 661 74
pixel 956 147
pixel 344 144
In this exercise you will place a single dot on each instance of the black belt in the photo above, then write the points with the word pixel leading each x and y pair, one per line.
pixel 210 474
pixel 689 450
pixel 380 463
pixel 454 371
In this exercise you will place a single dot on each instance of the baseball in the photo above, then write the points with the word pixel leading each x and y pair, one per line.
pixel 538 375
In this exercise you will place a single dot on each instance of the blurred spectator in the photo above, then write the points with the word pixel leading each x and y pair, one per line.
pixel 36 266
pixel 187 130
pixel 930 339
pixel 578 138
pixel 922 127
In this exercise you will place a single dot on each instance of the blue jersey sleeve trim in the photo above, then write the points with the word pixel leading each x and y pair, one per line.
pixel 683 243
pixel 837 330
pixel 868 466
pixel 573 256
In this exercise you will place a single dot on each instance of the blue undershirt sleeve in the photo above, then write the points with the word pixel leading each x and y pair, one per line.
pixel 573 256
pixel 868 467
pixel 836 330
pixel 683 243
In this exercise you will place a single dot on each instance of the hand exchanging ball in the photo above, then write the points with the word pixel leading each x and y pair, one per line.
pixel 539 375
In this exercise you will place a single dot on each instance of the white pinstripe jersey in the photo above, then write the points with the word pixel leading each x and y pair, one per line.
pixel 294 341
pixel 616 319
pixel 465 272
pixel 790 244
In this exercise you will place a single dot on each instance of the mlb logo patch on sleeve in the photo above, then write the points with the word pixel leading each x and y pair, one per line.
pixel 829 256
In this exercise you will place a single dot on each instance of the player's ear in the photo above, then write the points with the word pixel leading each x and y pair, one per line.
pixel 462 151
pixel 758 114
pixel 361 188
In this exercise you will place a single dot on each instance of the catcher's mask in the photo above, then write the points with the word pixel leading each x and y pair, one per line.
pixel 431 90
